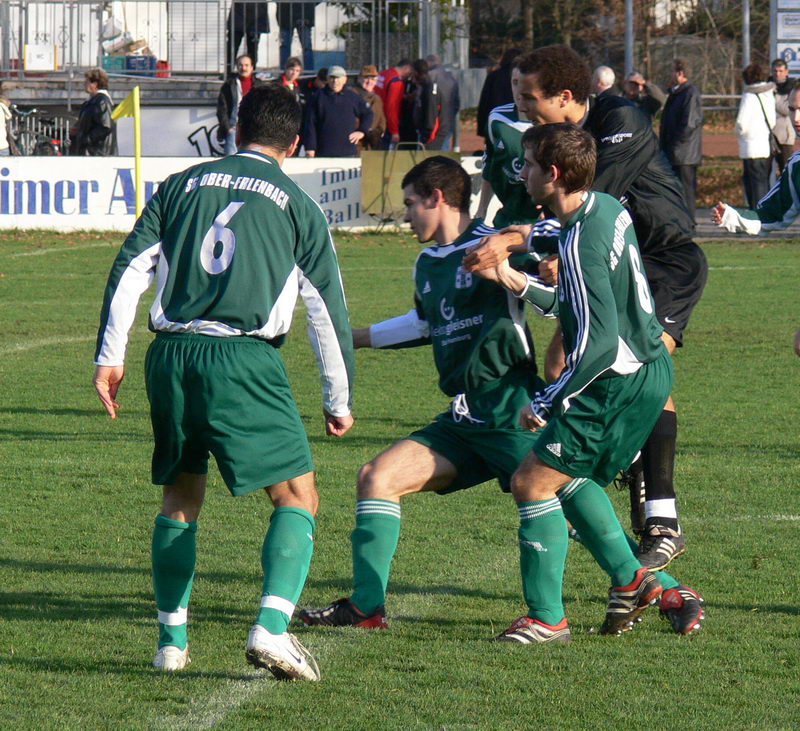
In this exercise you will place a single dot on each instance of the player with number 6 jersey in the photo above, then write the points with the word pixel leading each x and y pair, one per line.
pixel 230 245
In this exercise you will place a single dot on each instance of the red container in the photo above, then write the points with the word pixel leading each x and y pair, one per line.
pixel 163 69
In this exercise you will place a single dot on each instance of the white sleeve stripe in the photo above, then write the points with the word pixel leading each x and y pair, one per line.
pixel 122 311
pixel 331 362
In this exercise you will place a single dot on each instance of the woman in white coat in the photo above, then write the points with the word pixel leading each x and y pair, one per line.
pixel 754 125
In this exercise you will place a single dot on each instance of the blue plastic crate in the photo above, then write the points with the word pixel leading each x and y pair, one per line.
pixel 141 65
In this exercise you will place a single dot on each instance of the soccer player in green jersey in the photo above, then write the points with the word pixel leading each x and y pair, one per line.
pixel 503 159
pixel 231 244
pixel 485 360
pixel 596 416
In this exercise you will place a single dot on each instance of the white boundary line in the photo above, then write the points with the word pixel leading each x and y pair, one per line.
pixel 43 343
pixel 63 249
pixel 776 518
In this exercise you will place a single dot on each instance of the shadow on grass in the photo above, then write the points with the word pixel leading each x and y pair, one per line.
pixel 345 586
pixel 51 412
pixel 51 436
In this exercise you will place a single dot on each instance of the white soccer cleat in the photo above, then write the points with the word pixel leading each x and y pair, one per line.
pixel 282 655
pixel 171 658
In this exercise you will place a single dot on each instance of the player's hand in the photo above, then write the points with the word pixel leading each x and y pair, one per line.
pixel 337 426
pixel 106 382
pixel 717 212
pixel 311 153
pixel 528 420
pixel 490 251
pixel 355 137
pixel 548 269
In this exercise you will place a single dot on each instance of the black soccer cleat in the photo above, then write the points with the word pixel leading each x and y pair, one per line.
pixel 683 607
pixel 343 613
pixel 659 545
pixel 626 603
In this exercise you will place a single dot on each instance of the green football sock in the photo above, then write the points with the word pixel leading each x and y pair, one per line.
pixel 543 552
pixel 588 509
pixel 666 580
pixel 174 551
pixel 374 542
pixel 285 558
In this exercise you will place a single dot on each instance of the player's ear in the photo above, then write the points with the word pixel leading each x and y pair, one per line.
pixel 437 198
pixel 293 147
pixel 566 97
pixel 553 174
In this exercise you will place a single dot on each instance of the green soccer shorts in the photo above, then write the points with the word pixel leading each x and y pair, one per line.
pixel 478 453
pixel 607 423
pixel 229 397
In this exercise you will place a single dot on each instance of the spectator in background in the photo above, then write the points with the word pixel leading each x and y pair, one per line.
pixel 290 78
pixel 297 16
pixel 644 94
pixel 230 97
pixel 96 132
pixel 496 89
pixel 604 82
pixel 338 118
pixel 449 103
pixel 754 124
pixel 5 132
pixel 784 128
pixel 367 80
pixel 425 114
pixel 681 130
pixel 391 87
pixel 246 20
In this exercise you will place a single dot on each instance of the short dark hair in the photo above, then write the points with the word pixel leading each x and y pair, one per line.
pixel 558 68
pixel 681 64
pixel 779 62
pixel 322 74
pixel 442 173
pixel 293 61
pixel 754 73
pixel 420 67
pixel 509 55
pixel 567 146
pixel 244 55
pixel 403 62
pixel 270 116
pixel 97 76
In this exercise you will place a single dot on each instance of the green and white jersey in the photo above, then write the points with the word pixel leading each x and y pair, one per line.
pixel 231 244
pixel 503 159
pixel 476 328
pixel 605 308
pixel 777 210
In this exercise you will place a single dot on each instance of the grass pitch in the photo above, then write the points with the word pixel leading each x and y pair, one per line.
pixel 77 619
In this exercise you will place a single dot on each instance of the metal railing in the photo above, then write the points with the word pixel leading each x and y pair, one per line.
pixel 198 37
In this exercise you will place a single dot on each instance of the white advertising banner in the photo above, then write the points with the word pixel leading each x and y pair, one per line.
pixel 76 193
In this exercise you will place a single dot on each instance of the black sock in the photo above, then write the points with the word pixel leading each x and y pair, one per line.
pixel 658 461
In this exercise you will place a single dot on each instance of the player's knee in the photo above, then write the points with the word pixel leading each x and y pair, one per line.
pixel 373 482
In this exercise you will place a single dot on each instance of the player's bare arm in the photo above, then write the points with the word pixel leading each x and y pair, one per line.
pixel 497 247
pixel 505 276
pixel 548 269
pixel 107 380
pixel 717 212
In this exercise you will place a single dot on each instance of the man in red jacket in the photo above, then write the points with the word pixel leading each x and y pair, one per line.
pixel 390 88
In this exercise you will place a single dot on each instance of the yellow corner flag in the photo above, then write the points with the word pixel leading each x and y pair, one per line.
pixel 129 107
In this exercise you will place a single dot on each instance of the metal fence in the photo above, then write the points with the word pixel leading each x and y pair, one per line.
pixel 193 37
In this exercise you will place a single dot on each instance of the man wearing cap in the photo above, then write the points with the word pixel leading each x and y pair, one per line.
pixel 338 118
pixel 366 90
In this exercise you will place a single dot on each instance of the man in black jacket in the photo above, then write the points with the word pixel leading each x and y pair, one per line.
pixel 681 130
pixel 554 87
pixel 96 133
pixel 338 118
pixel 643 93
pixel 496 89
pixel 230 97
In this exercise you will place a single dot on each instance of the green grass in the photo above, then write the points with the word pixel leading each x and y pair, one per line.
pixel 76 507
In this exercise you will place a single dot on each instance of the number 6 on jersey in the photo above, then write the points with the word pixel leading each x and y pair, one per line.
pixel 219 243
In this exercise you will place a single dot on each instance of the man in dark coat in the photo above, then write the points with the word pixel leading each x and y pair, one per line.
pixel 496 89
pixel 96 133
pixel 449 103
pixel 248 20
pixel 644 94
pixel 681 132
pixel 338 118
pixel 296 16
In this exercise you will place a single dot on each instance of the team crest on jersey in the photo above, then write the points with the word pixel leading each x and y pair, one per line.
pixel 517 164
pixel 463 278
pixel 426 288
pixel 448 313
